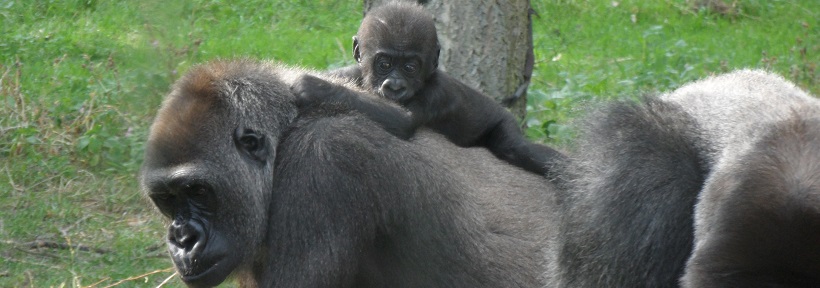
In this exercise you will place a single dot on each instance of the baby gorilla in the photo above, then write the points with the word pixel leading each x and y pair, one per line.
pixel 397 50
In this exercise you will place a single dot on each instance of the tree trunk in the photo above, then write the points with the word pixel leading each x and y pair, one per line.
pixel 486 44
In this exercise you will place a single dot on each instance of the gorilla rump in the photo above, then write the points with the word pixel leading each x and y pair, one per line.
pixel 397 50
pixel 716 184
pixel 323 197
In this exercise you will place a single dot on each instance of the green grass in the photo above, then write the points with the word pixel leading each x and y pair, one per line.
pixel 594 50
pixel 81 79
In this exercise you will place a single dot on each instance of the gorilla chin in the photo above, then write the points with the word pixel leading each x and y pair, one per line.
pixel 398 96
pixel 212 276
pixel 205 267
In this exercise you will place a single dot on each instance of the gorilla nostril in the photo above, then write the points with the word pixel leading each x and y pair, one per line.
pixel 393 85
pixel 187 242
pixel 184 236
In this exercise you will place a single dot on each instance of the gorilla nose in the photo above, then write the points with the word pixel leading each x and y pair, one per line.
pixel 185 235
pixel 394 89
pixel 393 85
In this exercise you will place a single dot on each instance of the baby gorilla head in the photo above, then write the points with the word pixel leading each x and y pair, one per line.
pixel 397 49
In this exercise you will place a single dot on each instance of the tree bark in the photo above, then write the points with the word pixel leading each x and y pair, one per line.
pixel 486 44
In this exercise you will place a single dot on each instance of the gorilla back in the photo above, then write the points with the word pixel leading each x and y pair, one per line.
pixel 716 184
pixel 757 220
pixel 323 197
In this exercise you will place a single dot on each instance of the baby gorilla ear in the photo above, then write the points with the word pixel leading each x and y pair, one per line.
pixel 356 54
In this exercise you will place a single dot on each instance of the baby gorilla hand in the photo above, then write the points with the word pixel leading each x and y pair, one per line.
pixel 310 89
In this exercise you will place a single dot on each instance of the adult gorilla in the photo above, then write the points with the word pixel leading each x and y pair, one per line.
pixel 716 184
pixel 323 197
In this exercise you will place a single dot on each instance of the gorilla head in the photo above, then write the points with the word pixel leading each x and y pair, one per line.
pixel 397 52
pixel 210 152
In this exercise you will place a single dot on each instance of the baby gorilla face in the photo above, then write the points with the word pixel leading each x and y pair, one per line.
pixel 398 51
pixel 396 77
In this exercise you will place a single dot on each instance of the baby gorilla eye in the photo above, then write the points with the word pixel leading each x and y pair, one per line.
pixel 384 64
pixel 410 68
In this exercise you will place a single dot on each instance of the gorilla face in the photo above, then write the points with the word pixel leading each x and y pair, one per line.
pixel 398 51
pixel 209 171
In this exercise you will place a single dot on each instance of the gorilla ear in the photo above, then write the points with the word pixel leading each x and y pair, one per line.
pixel 435 59
pixel 356 54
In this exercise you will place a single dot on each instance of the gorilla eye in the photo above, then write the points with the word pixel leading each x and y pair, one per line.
pixel 196 190
pixel 161 197
pixel 410 68
pixel 251 144
pixel 384 64
pixel 164 201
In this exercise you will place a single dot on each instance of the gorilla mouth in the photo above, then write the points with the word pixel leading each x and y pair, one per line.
pixel 212 276
pixel 394 95
pixel 206 266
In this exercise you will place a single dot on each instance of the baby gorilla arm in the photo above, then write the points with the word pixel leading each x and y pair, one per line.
pixel 394 119
pixel 507 142
pixel 352 72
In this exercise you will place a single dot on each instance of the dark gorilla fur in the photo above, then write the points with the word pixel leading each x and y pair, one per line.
pixel 397 49
pixel 323 197
pixel 716 184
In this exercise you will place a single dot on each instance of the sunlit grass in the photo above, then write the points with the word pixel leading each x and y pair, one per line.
pixel 616 49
